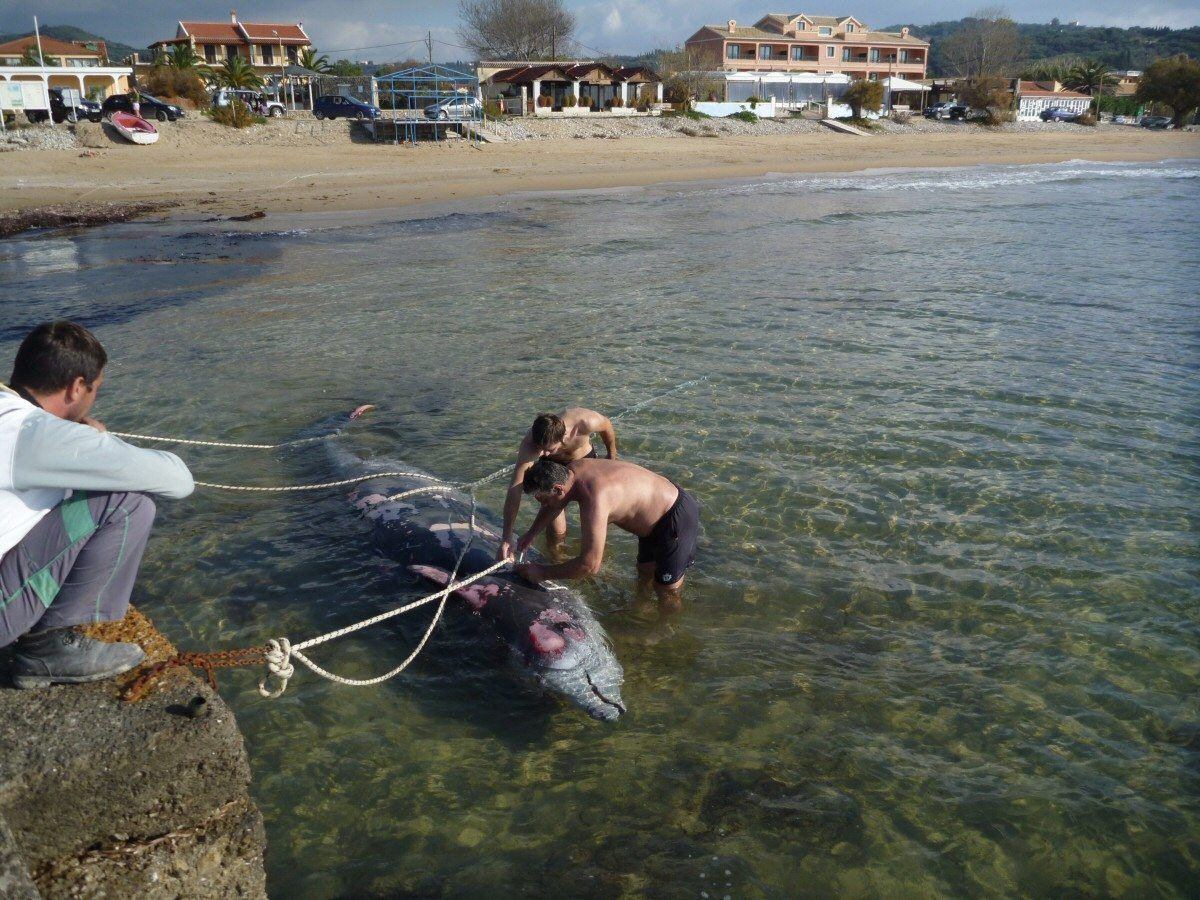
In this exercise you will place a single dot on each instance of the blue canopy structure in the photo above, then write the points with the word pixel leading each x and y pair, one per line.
pixel 433 97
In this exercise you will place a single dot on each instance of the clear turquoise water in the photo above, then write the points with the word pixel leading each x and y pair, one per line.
pixel 942 638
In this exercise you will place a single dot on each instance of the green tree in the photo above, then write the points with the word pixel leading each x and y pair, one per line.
pixel 31 58
pixel 310 60
pixel 1173 82
pixel 863 94
pixel 345 68
pixel 235 72
pixel 1090 76
pixel 1054 68
pixel 183 58
pixel 988 94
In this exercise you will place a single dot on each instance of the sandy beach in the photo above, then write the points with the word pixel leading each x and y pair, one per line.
pixel 200 166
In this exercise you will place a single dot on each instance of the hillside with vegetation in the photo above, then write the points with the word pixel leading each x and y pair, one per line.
pixel 117 52
pixel 1118 48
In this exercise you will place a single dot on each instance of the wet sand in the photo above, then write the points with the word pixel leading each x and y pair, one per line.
pixel 356 176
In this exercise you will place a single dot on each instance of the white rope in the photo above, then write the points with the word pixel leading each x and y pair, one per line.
pixel 280 651
pixel 463 486
pixel 325 484
pixel 192 443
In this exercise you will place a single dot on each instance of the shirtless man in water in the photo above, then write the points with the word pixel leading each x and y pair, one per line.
pixel 563 439
pixel 663 515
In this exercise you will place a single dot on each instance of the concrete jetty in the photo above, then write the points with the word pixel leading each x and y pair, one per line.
pixel 102 798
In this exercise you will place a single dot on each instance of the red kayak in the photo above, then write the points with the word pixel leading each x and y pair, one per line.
pixel 133 128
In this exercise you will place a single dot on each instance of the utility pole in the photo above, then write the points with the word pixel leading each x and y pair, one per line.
pixel 553 51
pixel 429 45
pixel 37 31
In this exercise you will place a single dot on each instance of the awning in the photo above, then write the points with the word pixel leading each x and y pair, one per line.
pixel 900 84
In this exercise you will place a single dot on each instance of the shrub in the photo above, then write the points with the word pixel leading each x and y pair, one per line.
pixel 168 83
pixel 1086 119
pixel 647 96
pixel 753 101
pixel 862 95
pixel 692 114
pixel 493 109
pixel 744 116
pixel 867 124
pixel 991 95
pixel 901 118
pixel 585 101
pixel 570 102
pixel 545 101
pixel 236 115
pixel 615 103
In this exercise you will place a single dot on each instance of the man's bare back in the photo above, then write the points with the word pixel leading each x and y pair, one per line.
pixel 664 517
pixel 632 497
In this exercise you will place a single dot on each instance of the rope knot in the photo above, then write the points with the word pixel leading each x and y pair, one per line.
pixel 278 656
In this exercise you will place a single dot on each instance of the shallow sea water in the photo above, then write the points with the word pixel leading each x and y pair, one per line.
pixel 942 636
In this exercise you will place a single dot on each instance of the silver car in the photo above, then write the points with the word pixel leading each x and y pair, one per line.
pixel 464 107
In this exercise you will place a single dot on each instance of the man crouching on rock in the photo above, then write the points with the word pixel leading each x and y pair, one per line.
pixel 74 515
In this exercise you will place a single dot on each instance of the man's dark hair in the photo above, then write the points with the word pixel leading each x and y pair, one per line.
pixel 54 354
pixel 543 475
pixel 547 429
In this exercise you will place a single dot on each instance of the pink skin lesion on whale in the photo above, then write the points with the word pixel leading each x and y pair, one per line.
pixel 478 594
pixel 547 635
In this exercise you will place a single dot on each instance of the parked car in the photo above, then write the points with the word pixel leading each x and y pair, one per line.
pixel 1155 122
pixel 949 110
pixel 149 106
pixel 1058 114
pixel 333 106
pixel 62 109
pixel 256 101
pixel 464 107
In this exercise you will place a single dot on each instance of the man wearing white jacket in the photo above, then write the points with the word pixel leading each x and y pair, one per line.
pixel 74 512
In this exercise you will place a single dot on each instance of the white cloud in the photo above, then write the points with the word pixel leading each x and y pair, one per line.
pixel 612 23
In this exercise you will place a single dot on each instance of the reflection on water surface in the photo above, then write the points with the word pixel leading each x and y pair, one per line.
pixel 942 637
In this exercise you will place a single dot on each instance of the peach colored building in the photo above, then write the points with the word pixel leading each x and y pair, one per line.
pixel 266 46
pixel 820 45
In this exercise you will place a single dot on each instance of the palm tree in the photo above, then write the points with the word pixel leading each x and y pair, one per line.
pixel 183 57
pixel 235 72
pixel 1090 76
pixel 310 60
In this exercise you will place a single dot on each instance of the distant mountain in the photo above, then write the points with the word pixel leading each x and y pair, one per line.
pixel 117 52
pixel 1120 48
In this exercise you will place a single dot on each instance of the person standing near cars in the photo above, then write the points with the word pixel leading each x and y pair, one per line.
pixel 135 100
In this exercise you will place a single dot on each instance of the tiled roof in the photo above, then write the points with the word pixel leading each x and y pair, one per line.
pixel 242 32
pixel 273 32
pixel 225 32
pixel 50 47
pixel 627 72
pixel 526 73
pixel 1046 89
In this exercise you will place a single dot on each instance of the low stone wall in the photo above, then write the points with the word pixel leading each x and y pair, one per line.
pixel 102 798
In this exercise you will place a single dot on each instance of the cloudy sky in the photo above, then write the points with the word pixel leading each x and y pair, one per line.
pixel 606 26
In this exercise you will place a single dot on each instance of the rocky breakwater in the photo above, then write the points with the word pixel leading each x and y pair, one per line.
pixel 102 798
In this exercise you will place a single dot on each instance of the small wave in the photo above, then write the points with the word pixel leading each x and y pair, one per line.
pixel 965 179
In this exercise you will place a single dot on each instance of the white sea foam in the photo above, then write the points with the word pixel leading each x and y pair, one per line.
pixel 965 179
